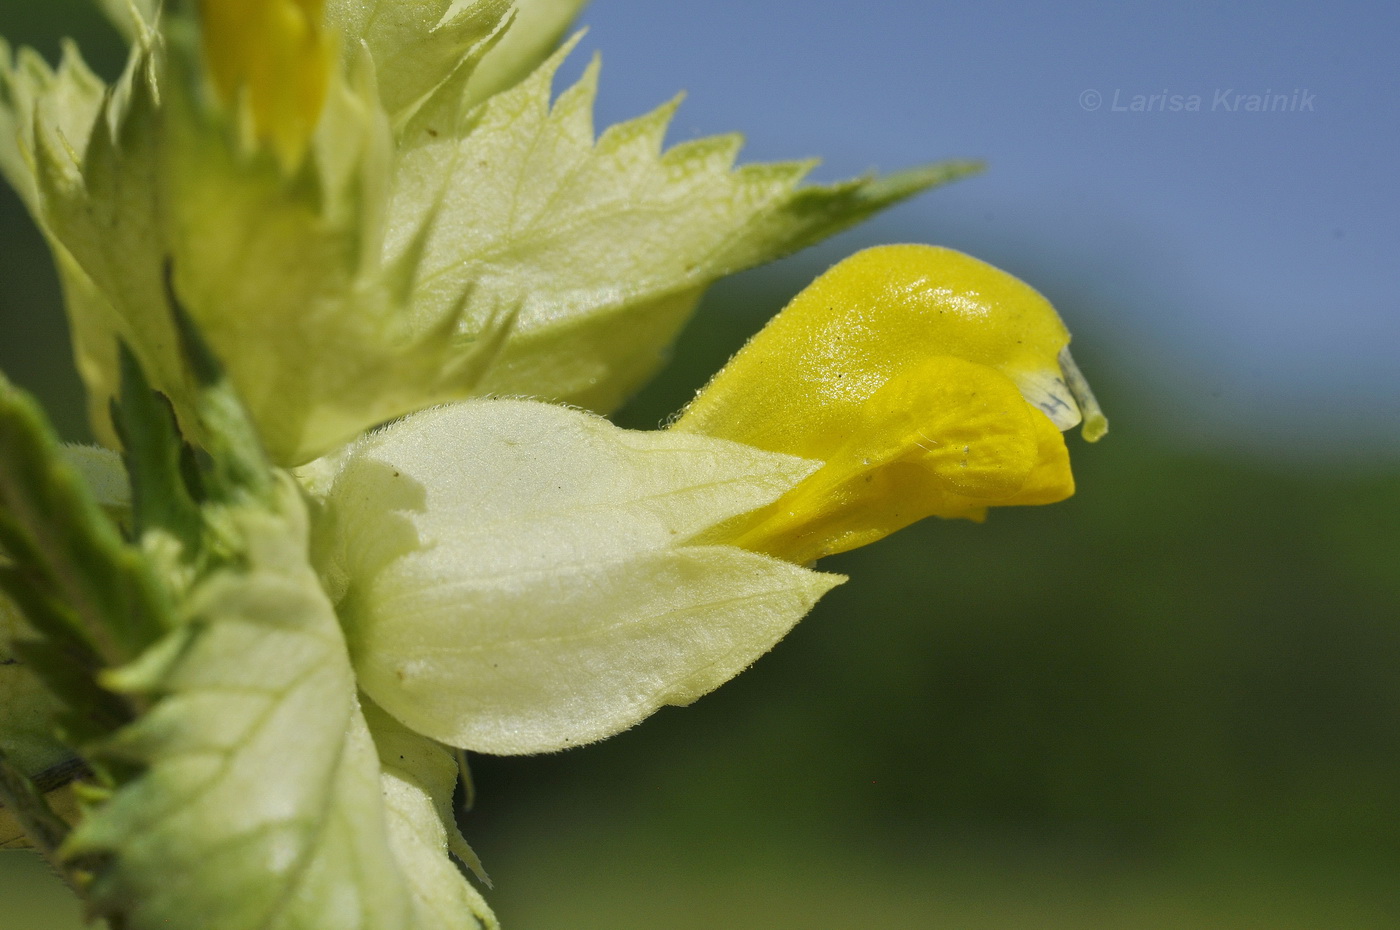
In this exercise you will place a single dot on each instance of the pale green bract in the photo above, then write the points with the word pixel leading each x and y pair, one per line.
pixel 604 245
pixel 419 777
pixel 519 577
pixel 261 778
pixel 64 103
pixel 493 248
pixel 134 19
pixel 65 100
pixel 416 44
pixel 250 763
pixel 197 215
pixel 105 476
pixel 539 26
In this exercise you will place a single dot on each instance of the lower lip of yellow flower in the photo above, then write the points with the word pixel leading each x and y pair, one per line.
pixel 946 438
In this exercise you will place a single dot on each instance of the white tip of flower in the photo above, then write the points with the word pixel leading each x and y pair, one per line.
pixel 1048 393
pixel 1095 423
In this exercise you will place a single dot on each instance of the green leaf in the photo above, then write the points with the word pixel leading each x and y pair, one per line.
pixel 416 44
pixel 260 801
pixel 13 626
pixel 606 244
pixel 28 716
pixel 518 576
pixel 67 553
pixel 157 458
pixel 74 598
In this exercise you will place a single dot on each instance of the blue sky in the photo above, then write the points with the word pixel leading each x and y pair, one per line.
pixel 1243 264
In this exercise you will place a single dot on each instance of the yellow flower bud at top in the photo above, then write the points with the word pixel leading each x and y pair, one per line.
pixel 270 59
pixel 928 382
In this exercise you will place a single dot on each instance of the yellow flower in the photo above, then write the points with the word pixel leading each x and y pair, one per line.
pixel 928 383
pixel 271 59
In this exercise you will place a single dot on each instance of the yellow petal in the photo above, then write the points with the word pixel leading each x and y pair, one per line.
pixel 928 382
pixel 945 438
pixel 878 312
pixel 271 59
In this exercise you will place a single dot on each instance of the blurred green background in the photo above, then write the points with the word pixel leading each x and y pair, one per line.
pixel 1172 701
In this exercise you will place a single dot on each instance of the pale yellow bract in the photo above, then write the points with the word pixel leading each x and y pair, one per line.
pixel 272 60
pixel 928 382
